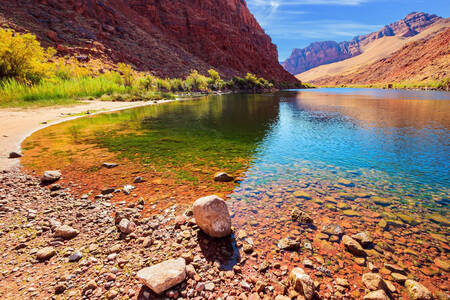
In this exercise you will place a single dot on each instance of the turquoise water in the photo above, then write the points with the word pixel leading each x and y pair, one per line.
pixel 356 133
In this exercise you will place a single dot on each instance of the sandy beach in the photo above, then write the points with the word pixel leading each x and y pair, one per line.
pixel 18 123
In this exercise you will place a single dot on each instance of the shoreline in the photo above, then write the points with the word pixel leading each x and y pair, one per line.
pixel 19 123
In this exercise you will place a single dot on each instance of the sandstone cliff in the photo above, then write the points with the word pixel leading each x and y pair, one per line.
pixel 321 53
pixel 168 37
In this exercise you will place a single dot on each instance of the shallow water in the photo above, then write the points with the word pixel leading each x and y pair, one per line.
pixel 365 159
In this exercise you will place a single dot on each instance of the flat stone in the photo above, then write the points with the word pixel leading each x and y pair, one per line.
pixel 45 253
pixel 400 278
pixel 163 276
pixel 417 291
pixel 395 268
pixel 376 295
pixel 302 283
pixel 212 216
pixel 353 246
pixel 51 176
pixel 66 232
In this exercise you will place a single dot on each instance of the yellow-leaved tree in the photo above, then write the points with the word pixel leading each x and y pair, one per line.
pixel 23 58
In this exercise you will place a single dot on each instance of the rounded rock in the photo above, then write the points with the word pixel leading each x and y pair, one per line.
pixel 212 216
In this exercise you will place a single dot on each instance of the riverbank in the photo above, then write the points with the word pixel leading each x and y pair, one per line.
pixel 351 235
pixel 18 123
pixel 60 246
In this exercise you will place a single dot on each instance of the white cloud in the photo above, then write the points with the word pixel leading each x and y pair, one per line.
pixel 277 17
pixel 320 29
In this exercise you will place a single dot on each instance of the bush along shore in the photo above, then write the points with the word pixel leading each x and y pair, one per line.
pixel 61 245
pixel 33 75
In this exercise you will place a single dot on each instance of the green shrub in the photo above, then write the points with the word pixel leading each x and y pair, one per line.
pixel 127 73
pixel 215 83
pixel 176 85
pixel 163 85
pixel 146 82
pixel 196 82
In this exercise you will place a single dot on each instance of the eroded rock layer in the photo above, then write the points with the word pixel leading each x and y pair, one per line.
pixel 169 37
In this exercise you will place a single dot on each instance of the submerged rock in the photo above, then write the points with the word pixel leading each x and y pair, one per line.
pixel 163 276
pixel 442 264
pixel 139 179
pixel 346 182
pixel 51 176
pixel 417 291
pixel 212 216
pixel 364 238
pixel 381 201
pixel 333 229
pixel 288 244
pixel 302 283
pixel 108 191
pixel 109 165
pixel 353 246
pixel 128 188
pixel 302 195
pixel 300 216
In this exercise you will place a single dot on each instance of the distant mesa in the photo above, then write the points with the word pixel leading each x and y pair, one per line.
pixel 321 53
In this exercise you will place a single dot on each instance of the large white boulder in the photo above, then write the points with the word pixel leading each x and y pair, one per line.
pixel 163 276
pixel 212 216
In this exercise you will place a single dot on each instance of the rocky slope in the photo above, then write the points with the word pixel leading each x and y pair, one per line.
pixel 427 59
pixel 165 36
pixel 321 53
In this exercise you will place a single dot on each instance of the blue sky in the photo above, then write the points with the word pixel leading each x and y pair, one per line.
pixel 297 23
